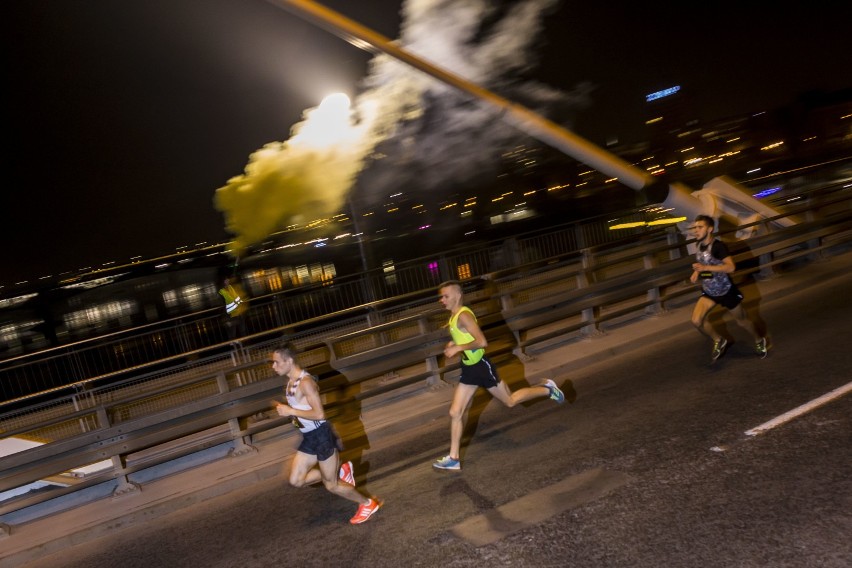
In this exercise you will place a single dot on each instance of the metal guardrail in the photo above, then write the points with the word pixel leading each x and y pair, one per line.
pixel 122 353
pixel 59 367
pixel 519 307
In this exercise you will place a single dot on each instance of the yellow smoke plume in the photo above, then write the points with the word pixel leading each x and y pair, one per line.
pixel 297 181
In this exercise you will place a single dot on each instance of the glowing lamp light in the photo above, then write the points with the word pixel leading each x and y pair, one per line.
pixel 669 221
pixel 336 104
pixel 654 223
pixel 627 225
pixel 327 125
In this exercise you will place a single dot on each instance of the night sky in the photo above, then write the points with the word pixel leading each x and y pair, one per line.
pixel 123 118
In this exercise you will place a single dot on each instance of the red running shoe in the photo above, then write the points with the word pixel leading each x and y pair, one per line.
pixel 347 474
pixel 366 511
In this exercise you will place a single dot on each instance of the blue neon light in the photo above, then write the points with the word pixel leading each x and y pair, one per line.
pixel 766 192
pixel 661 94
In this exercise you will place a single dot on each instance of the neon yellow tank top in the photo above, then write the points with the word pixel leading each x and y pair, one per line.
pixel 469 356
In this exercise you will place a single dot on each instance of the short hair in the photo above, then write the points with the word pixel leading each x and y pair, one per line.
pixel 707 219
pixel 286 350
pixel 448 283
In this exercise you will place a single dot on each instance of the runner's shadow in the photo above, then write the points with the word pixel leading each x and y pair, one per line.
pixel 474 413
pixel 351 428
pixel 460 486
pixel 511 371
pixel 482 504
pixel 748 264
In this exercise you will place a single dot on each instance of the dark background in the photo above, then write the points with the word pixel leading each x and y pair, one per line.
pixel 123 118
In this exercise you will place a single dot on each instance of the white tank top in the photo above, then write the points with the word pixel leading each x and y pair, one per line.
pixel 303 424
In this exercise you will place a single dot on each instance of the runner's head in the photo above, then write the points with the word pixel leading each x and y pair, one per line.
pixel 703 227
pixel 283 358
pixel 450 294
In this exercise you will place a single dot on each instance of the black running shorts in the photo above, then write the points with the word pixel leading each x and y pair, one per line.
pixel 730 300
pixel 480 374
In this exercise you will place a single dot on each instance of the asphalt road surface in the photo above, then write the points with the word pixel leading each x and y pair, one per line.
pixel 650 467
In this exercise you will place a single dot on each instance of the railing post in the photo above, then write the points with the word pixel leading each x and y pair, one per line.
pixel 655 307
pixel 371 296
pixel 512 252
pixel 766 270
pixel 673 240
pixel 78 400
pixel 119 464
pixel 125 486
pixel 236 356
pixel 242 445
pixel 434 380
pixel 580 237
pixel 813 244
pixel 585 277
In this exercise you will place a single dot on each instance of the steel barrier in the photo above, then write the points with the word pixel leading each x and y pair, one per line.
pixel 113 354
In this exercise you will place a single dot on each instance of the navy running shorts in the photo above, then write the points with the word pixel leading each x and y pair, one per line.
pixel 321 442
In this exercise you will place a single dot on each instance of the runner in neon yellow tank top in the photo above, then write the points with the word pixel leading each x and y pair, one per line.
pixel 477 371
pixel 462 337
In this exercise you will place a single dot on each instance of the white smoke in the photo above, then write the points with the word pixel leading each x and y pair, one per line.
pixel 454 139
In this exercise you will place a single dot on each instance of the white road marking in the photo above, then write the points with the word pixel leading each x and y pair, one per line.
pixel 807 407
